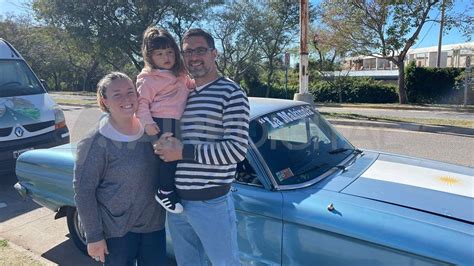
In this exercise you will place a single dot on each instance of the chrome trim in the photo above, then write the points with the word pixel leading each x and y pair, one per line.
pixel 21 190
pixel 263 164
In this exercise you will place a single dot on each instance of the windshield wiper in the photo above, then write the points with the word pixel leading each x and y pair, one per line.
pixel 341 150
pixel 307 170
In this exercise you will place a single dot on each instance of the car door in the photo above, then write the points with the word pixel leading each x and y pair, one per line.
pixel 259 222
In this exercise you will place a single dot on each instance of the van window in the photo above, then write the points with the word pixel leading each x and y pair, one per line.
pixel 16 79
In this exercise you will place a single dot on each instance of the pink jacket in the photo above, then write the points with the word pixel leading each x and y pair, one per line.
pixel 162 94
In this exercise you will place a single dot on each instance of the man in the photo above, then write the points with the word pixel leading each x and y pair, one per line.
pixel 214 129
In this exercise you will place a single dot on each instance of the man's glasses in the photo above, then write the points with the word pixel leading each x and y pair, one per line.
pixel 198 51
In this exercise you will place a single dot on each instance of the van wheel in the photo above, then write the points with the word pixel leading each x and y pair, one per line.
pixel 76 230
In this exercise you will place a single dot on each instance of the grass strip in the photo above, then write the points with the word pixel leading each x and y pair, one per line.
pixel 74 101
pixel 423 121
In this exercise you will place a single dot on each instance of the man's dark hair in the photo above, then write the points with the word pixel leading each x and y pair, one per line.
pixel 200 33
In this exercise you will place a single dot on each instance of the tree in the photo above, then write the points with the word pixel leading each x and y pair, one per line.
pixel 329 47
pixel 232 29
pixel 38 46
pixel 107 27
pixel 275 26
pixel 183 15
pixel 384 29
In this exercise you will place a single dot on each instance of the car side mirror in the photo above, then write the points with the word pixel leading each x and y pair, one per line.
pixel 45 85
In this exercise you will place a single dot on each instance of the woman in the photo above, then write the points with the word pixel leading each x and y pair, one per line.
pixel 115 182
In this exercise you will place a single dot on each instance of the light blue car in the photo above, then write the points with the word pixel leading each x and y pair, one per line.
pixel 306 196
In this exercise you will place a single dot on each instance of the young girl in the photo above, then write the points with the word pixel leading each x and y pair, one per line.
pixel 163 86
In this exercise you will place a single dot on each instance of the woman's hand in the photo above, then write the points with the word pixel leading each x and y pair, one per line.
pixel 97 250
pixel 152 129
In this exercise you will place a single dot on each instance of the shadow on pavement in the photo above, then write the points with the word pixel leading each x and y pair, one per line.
pixel 67 253
pixel 11 203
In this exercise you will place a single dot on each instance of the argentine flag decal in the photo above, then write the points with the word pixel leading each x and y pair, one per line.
pixel 411 175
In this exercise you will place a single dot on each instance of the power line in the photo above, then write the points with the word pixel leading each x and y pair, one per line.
pixel 426 34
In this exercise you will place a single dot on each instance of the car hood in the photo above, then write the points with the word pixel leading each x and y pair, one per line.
pixel 430 186
pixel 23 110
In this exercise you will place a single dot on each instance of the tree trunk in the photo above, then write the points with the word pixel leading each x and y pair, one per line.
pixel 89 74
pixel 269 78
pixel 402 93
pixel 56 82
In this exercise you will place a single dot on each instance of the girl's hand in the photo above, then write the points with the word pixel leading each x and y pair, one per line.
pixel 97 250
pixel 152 129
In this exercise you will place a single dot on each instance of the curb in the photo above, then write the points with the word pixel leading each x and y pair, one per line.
pixel 28 253
pixel 460 109
pixel 406 126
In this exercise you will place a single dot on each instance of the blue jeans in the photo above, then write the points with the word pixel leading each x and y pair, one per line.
pixel 143 248
pixel 205 228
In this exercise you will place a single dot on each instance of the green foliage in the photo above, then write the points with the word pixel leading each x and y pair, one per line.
pixel 354 90
pixel 258 89
pixel 275 26
pixel 434 85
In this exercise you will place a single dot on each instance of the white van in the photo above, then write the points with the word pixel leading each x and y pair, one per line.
pixel 29 118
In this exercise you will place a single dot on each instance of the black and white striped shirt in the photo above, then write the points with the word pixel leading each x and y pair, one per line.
pixel 214 130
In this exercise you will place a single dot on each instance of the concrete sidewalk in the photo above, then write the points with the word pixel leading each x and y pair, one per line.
pixel 27 253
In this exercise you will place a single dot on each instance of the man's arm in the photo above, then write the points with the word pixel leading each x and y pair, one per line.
pixel 232 149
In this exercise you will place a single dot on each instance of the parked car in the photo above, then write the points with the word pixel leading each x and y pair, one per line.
pixel 29 118
pixel 306 196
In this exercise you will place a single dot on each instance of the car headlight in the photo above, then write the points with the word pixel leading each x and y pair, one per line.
pixel 3 109
pixel 59 119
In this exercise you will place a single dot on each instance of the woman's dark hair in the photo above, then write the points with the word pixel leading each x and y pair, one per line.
pixel 157 38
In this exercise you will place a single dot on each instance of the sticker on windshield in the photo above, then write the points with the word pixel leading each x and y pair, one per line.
pixel 278 119
pixel 284 174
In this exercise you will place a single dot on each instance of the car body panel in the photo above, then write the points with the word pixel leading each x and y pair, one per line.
pixel 259 216
pixel 26 110
pixel 389 227
pixel 346 218
pixel 413 184
pixel 46 174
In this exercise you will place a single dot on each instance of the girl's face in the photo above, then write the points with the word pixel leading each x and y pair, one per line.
pixel 163 58
pixel 121 99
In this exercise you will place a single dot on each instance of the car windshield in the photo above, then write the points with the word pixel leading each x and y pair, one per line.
pixel 298 145
pixel 16 79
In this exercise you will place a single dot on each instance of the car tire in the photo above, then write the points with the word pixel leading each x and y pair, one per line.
pixel 76 230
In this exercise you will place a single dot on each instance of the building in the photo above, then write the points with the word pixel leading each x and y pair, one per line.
pixel 452 55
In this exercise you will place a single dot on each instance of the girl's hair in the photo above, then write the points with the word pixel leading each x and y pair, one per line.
pixel 104 84
pixel 158 38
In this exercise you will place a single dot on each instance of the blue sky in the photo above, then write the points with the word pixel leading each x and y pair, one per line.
pixel 428 36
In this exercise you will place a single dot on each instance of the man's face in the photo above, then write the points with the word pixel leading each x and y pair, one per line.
pixel 198 57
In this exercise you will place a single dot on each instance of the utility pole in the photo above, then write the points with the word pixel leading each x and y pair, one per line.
pixel 467 73
pixel 440 40
pixel 303 94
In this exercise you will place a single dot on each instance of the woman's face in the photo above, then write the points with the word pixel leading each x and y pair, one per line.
pixel 121 98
